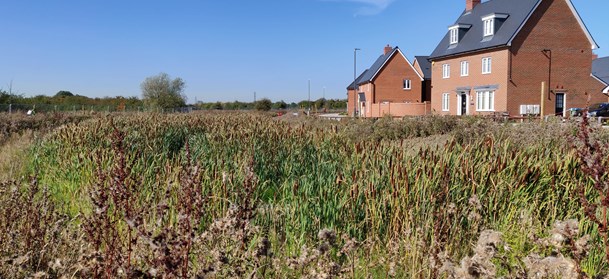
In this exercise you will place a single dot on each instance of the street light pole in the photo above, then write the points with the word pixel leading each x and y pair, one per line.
pixel 354 78
pixel 309 99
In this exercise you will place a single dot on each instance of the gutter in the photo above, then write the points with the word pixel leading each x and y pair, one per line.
pixel 431 59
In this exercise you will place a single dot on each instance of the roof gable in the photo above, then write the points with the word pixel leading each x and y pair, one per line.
pixel 424 64
pixel 600 69
pixel 357 80
pixel 380 63
pixel 518 13
pixel 582 24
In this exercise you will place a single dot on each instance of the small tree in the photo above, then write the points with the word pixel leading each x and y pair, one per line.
pixel 161 91
pixel 264 105
pixel 280 105
pixel 320 103
pixel 217 106
pixel 64 93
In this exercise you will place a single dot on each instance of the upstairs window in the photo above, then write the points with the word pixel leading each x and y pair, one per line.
pixel 445 71
pixel 454 36
pixel 407 84
pixel 489 27
pixel 464 68
pixel 492 23
pixel 456 32
pixel 487 65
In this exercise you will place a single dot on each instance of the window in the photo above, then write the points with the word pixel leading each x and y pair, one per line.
pixel 486 65
pixel 445 104
pixel 489 27
pixel 407 84
pixel 445 71
pixel 454 36
pixel 464 68
pixel 492 22
pixel 485 101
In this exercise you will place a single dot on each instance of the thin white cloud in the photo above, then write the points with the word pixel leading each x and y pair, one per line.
pixel 369 7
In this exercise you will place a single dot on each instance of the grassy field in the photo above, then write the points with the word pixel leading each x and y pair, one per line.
pixel 234 195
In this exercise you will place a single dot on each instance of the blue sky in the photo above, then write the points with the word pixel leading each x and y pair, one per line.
pixel 224 49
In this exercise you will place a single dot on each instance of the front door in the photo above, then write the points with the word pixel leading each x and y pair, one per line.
pixel 560 104
pixel 463 104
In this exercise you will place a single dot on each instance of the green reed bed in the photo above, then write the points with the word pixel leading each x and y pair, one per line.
pixel 403 205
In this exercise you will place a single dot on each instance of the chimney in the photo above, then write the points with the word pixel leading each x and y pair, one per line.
pixel 470 4
pixel 594 56
pixel 388 49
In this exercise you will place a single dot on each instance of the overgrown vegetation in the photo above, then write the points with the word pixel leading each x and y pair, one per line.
pixel 233 195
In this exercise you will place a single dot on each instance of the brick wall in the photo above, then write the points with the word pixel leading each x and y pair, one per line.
pixel 552 27
pixel 367 89
pixel 351 102
pixel 498 76
pixel 400 109
pixel 389 82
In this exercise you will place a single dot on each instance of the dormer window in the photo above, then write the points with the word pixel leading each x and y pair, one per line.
pixel 489 27
pixel 456 32
pixel 492 22
pixel 454 36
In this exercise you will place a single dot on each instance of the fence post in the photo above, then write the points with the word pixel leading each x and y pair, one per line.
pixel 10 108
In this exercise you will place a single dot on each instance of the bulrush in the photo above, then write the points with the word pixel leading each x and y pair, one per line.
pixel 592 154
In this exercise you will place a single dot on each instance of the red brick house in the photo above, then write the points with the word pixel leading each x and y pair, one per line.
pixel 391 86
pixel 497 55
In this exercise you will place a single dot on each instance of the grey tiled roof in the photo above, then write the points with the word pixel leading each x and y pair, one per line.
pixel 600 69
pixel 425 65
pixel 376 66
pixel 351 86
pixel 518 11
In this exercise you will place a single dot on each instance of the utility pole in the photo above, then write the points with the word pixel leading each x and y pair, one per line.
pixel 254 96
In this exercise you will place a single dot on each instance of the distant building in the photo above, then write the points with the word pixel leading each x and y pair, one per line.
pixel 600 71
pixel 391 86
pixel 495 56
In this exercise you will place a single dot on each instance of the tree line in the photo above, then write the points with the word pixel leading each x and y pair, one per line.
pixel 163 92
pixel 266 104
pixel 68 98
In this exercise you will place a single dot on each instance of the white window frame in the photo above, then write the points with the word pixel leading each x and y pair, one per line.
pixel 407 84
pixel 487 65
pixel 445 101
pixel 446 71
pixel 489 26
pixel 485 100
pixel 454 35
pixel 464 68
